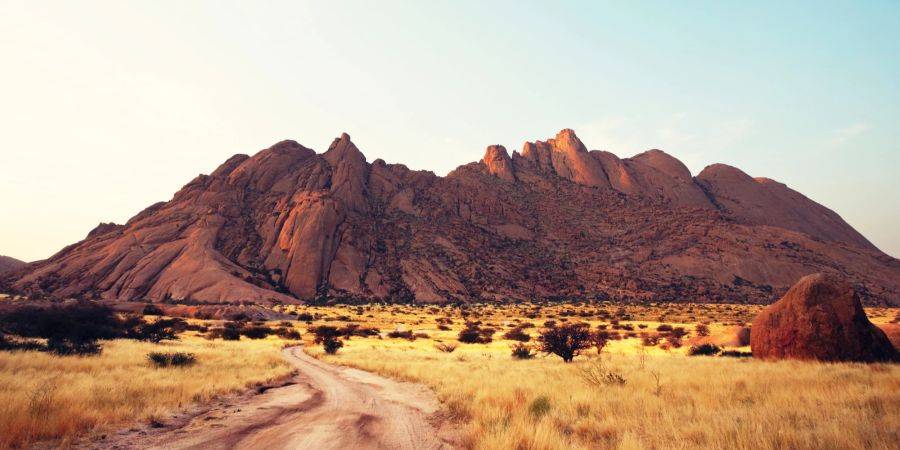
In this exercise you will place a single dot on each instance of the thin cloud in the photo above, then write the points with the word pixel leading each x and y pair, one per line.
pixel 843 136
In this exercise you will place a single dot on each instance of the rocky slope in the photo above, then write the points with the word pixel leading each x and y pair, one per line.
pixel 555 221
pixel 7 263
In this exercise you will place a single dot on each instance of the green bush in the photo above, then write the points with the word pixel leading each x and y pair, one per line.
pixel 331 345
pixel 174 359
pixel 539 407
pixel 704 350
pixel 516 334
pixel 231 334
pixel 522 351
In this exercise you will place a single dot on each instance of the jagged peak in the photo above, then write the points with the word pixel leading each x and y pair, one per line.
pixel 567 141
pixel 343 149
pixel 494 152
pixel 498 162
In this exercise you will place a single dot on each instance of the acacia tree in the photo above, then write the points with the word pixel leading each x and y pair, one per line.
pixel 328 337
pixel 599 339
pixel 565 341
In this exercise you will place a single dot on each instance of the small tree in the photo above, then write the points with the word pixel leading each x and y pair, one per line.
pixel 473 334
pixel 599 339
pixel 702 329
pixel 565 341
pixel 331 345
pixel 328 337
pixel 325 332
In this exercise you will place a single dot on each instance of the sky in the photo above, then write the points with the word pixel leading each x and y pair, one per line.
pixel 107 107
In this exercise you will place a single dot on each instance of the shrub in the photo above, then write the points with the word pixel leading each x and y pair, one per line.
pixel 473 334
pixel 6 344
pixel 445 347
pixel 539 407
pixel 256 331
pixel 289 333
pixel 595 374
pixel 66 347
pixel 152 310
pixel 516 334
pixel 174 359
pixel 157 331
pixel 522 351
pixel 650 340
pixel 565 341
pixel 397 334
pixel 664 328
pixel 79 322
pixel 324 332
pixel 331 345
pixel 704 350
pixel 674 341
pixel 736 354
pixel 701 329
pixel 599 339
pixel 231 334
pixel 305 317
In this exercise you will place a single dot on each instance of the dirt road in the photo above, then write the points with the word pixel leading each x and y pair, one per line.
pixel 329 407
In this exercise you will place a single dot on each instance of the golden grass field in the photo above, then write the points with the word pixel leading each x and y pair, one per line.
pixel 46 397
pixel 669 400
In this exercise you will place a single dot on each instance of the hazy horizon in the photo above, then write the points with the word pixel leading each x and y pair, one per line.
pixel 110 107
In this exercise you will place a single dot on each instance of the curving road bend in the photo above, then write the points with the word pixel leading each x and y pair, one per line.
pixel 329 407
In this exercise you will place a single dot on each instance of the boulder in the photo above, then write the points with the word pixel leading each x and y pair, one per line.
pixel 820 318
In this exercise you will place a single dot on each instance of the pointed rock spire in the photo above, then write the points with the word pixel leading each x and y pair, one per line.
pixel 349 172
pixel 498 163
pixel 566 156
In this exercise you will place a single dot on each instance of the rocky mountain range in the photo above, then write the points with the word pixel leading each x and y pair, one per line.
pixel 554 221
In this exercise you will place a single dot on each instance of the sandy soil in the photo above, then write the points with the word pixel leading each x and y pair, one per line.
pixel 326 407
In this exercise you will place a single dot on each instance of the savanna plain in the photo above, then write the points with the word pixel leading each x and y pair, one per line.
pixel 663 376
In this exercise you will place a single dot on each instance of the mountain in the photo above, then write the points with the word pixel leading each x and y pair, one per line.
pixel 7 263
pixel 556 221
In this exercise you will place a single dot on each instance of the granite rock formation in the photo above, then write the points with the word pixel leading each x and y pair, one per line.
pixel 820 318
pixel 556 221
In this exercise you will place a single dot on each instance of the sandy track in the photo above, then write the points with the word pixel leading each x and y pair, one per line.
pixel 329 407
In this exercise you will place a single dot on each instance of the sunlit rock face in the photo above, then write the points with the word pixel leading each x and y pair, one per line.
pixel 555 221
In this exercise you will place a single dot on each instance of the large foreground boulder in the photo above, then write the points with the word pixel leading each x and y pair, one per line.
pixel 820 318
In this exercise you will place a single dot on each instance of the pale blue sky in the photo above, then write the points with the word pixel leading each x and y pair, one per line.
pixel 107 107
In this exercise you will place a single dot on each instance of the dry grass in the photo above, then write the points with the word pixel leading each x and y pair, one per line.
pixel 46 397
pixel 668 401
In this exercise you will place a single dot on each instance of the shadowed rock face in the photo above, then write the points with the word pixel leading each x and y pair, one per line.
pixel 7 263
pixel 819 318
pixel 556 221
